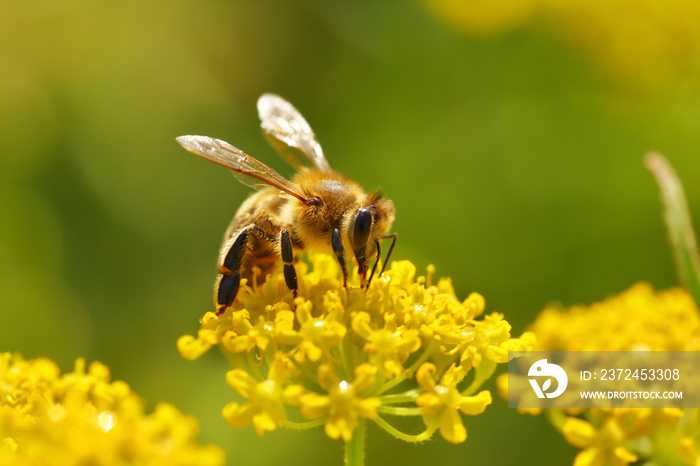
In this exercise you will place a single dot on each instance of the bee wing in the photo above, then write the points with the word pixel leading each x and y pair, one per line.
pixel 224 154
pixel 289 133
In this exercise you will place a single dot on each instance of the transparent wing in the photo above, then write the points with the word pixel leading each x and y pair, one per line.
pixel 224 154
pixel 289 133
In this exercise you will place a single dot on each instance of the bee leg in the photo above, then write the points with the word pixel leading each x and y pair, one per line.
pixel 379 256
pixel 337 244
pixel 290 275
pixel 376 262
pixel 393 236
pixel 230 273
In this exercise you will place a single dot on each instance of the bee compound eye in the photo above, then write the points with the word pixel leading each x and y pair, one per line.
pixel 363 221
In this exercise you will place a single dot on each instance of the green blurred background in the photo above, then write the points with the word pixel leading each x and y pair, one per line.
pixel 509 134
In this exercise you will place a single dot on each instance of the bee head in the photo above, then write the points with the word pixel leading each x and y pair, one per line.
pixel 368 224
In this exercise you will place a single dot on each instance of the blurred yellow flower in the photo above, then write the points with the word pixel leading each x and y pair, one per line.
pixel 687 451
pixel 337 356
pixel 83 418
pixel 600 446
pixel 484 16
pixel 643 43
pixel 638 319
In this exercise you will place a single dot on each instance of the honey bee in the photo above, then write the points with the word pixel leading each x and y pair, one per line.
pixel 319 209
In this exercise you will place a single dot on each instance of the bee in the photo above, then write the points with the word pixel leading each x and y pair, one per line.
pixel 318 210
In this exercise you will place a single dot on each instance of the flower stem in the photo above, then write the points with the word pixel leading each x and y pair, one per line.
pixel 405 397
pixel 425 435
pixel 557 418
pixel 483 372
pixel 303 425
pixel 411 370
pixel 680 229
pixel 355 448
pixel 400 410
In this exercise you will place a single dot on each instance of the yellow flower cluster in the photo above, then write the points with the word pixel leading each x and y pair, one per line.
pixel 637 319
pixel 336 355
pixel 82 418
pixel 648 43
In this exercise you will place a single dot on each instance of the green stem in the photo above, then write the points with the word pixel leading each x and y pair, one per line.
pixel 237 360
pixel 254 366
pixel 483 372
pixel 411 370
pixel 308 373
pixel 400 410
pixel 425 435
pixel 347 357
pixel 303 425
pixel 404 397
pixel 680 228
pixel 557 418
pixel 355 448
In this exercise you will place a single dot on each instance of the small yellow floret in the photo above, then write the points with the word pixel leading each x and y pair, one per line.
pixel 343 403
pixel 441 402
pixel 265 406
